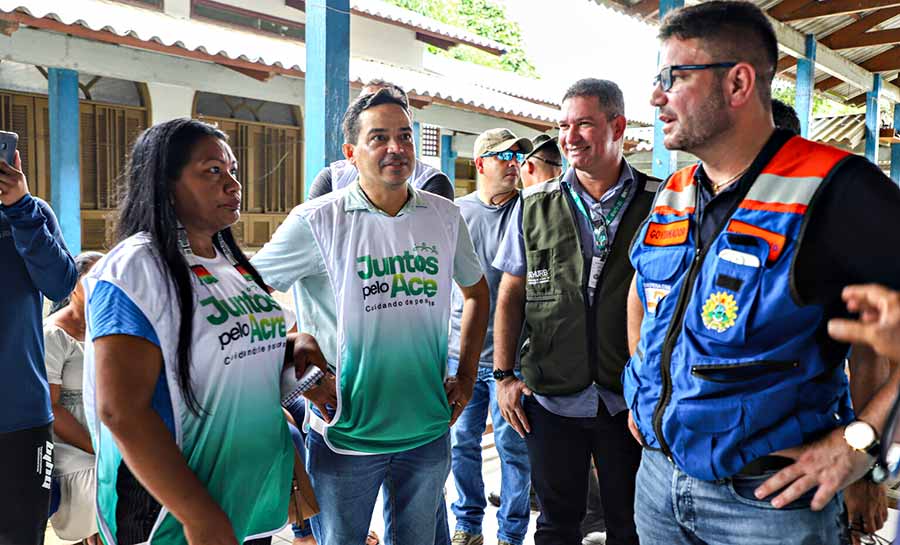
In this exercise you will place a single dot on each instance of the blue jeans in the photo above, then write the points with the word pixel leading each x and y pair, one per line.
pixel 346 488
pixel 515 480
pixel 672 508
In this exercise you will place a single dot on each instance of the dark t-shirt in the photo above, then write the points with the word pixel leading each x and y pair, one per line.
pixel 439 184
pixel 851 237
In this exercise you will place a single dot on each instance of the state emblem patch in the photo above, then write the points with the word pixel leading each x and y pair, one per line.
pixel 719 311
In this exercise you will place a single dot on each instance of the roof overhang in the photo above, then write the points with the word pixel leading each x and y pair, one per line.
pixel 427 30
pixel 254 55
pixel 791 20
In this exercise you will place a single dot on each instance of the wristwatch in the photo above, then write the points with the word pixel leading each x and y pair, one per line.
pixel 500 374
pixel 862 437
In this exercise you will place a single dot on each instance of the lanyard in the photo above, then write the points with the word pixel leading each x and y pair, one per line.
pixel 600 238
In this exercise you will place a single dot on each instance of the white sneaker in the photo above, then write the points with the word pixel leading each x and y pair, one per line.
pixel 594 538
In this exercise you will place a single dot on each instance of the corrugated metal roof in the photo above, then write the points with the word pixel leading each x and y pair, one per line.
pixel 452 89
pixel 508 83
pixel 383 10
pixel 154 26
pixel 193 35
pixel 841 130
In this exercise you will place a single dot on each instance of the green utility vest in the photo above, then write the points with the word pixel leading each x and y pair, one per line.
pixel 572 343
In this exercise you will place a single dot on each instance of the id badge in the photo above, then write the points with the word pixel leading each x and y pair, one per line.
pixel 596 269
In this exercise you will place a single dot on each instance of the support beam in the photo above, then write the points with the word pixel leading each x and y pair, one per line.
pixel 644 8
pixel 845 37
pixel 417 137
pixel 448 158
pixel 872 126
pixel 806 79
pixel 65 183
pixel 793 43
pixel 785 8
pixel 895 148
pixel 883 62
pixel 784 63
pixel 664 161
pixel 815 10
pixel 327 82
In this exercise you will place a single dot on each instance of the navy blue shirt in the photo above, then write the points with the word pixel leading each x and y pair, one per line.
pixel 34 262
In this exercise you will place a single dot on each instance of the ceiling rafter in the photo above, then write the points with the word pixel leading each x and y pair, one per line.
pixel 855 34
pixel 811 9
pixel 889 60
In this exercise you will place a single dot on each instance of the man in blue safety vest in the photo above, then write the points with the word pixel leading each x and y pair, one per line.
pixel 736 392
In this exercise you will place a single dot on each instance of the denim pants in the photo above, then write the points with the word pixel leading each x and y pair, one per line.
pixel 672 508
pixel 346 488
pixel 515 476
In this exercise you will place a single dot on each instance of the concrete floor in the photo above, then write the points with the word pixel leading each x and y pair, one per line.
pixel 491 472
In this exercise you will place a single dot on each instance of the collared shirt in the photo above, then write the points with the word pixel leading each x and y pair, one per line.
pixel 511 259
pixel 292 259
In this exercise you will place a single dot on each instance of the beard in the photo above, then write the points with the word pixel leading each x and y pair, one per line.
pixel 697 129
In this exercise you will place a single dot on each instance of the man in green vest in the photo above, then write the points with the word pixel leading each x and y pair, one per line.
pixel 566 277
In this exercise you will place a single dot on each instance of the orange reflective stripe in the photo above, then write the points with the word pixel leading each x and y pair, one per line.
pixel 793 159
pixel 784 208
pixel 681 179
pixel 775 240
pixel 669 211
pixel 667 234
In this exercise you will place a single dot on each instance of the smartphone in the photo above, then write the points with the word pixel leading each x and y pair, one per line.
pixel 8 141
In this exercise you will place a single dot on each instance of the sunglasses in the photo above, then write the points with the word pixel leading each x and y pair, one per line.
pixel 506 155
pixel 666 79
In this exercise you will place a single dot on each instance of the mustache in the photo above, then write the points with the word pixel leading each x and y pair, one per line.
pixel 393 158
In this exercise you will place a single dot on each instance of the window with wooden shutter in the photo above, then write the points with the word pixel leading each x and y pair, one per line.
pixel 269 161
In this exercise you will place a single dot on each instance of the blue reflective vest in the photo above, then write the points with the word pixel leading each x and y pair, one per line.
pixel 727 368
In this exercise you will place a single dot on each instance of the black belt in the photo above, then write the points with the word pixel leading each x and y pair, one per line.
pixel 763 465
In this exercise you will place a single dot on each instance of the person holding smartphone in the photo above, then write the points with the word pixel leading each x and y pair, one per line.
pixel 36 263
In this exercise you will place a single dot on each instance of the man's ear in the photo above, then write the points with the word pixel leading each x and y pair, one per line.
pixel 619 124
pixel 479 165
pixel 348 150
pixel 740 85
pixel 529 167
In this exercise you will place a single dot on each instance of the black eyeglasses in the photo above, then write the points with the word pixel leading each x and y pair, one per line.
pixel 548 161
pixel 506 155
pixel 666 79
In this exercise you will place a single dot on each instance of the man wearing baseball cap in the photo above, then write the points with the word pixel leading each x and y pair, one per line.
pixel 543 162
pixel 498 157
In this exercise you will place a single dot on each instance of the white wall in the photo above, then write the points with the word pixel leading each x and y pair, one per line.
pixel 169 101
pixel 387 43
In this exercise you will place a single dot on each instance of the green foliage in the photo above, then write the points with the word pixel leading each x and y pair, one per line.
pixel 786 91
pixel 484 18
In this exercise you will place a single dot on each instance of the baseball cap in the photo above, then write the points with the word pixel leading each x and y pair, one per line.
pixel 499 140
pixel 541 141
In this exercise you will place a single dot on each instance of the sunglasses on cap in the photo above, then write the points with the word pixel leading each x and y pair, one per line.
pixel 665 78
pixel 506 155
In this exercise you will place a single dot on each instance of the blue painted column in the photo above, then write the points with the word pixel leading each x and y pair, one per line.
pixel 806 81
pixel 872 119
pixel 448 158
pixel 65 176
pixel 895 148
pixel 417 137
pixel 327 83
pixel 664 161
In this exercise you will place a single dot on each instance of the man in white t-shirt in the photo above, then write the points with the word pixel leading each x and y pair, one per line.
pixel 374 263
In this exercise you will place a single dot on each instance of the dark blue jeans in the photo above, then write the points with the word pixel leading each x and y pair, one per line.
pixel 346 488
pixel 515 480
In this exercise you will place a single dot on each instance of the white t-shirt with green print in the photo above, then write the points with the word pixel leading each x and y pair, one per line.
pixel 385 281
